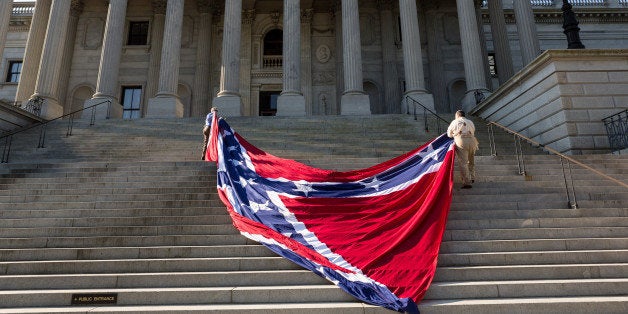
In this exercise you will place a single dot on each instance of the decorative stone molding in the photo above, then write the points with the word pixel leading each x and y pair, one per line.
pixel 599 16
pixel 323 78
pixel 275 17
pixel 267 74
pixel 323 53
pixel 248 16
pixel 76 8
pixel 21 24
pixel 306 16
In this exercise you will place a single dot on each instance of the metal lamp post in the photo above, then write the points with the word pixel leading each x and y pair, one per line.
pixel 570 26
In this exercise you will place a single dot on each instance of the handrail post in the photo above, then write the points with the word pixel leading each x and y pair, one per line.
pixel 7 149
pixel 70 126
pixel 491 140
pixel 427 128
pixel 573 205
pixel 42 137
pixel 92 119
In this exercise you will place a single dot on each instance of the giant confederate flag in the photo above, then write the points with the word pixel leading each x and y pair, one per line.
pixel 374 232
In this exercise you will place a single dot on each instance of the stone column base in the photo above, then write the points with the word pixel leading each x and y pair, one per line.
pixel 291 105
pixel 228 106
pixel 51 109
pixel 164 107
pixel 102 111
pixel 424 99
pixel 355 104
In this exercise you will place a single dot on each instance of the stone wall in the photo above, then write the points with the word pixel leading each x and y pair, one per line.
pixel 560 99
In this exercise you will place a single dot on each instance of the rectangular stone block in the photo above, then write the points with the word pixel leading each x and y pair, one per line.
pixel 618 77
pixel 604 89
pixel 592 102
pixel 587 77
pixel 590 128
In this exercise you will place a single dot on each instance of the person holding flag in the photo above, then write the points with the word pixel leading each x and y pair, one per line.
pixel 207 129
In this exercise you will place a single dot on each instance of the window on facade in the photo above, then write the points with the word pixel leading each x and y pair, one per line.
pixel 273 43
pixel 492 68
pixel 138 33
pixel 131 99
pixel 14 71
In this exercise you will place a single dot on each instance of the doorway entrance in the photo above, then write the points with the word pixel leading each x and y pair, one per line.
pixel 268 103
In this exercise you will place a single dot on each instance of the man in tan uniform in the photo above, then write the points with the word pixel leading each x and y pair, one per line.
pixel 207 129
pixel 463 132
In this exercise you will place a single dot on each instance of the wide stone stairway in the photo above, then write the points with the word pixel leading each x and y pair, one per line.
pixel 127 208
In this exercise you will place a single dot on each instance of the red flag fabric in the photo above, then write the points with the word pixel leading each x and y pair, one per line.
pixel 374 232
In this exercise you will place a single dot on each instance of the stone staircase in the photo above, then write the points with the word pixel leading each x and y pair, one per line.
pixel 127 207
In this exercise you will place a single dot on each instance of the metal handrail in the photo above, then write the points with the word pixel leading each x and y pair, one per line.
pixel 8 137
pixel 571 193
pixel 425 111
pixel 617 130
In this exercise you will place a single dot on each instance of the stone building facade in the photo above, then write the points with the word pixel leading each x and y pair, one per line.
pixel 177 58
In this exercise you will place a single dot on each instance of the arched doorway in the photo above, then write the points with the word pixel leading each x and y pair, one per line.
pixel 79 96
pixel 184 97
pixel 456 91
pixel 374 97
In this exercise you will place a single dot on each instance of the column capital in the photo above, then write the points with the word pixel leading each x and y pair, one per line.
pixel 76 8
pixel 306 16
pixel 159 6
pixel 248 16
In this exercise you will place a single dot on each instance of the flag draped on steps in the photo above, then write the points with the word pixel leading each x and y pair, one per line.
pixel 374 232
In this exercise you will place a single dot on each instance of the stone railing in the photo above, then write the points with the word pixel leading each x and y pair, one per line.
pixel 558 3
pixel 23 9
pixel 560 99
pixel 272 62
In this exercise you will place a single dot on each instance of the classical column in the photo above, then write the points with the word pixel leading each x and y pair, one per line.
pixel 68 53
pixel 336 13
pixel 51 56
pixel 392 93
pixel 5 17
pixel 228 99
pixel 306 58
pixel 526 28
pixel 166 103
pixel 291 101
pixel 474 71
pixel 412 55
pixel 248 16
pixel 32 54
pixel 108 69
pixel 354 100
pixel 503 57
pixel 200 93
pixel 156 44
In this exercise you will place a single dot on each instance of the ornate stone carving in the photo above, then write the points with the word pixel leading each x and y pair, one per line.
pixel 76 8
pixel 275 16
pixel 248 16
pixel 306 16
pixel 323 78
pixel 323 53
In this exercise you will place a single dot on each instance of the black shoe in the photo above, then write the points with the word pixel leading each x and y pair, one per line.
pixel 472 181
pixel 466 186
